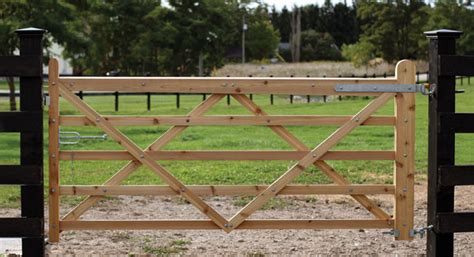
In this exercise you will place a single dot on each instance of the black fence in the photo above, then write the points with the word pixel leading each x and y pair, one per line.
pixel 29 123
pixel 444 123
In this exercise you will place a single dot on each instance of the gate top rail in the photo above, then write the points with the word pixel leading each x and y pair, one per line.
pixel 226 85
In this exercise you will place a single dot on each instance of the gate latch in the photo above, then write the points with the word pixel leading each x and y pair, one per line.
pixel 425 88
pixel 393 232
pixel 420 231
pixel 74 137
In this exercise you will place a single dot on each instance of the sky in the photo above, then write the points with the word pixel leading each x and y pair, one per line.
pixel 289 3
pixel 280 3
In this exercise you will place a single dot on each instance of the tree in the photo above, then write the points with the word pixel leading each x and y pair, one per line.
pixel 206 28
pixel 359 54
pixel 41 14
pixel 393 29
pixel 318 46
pixel 262 39
pixel 282 22
pixel 448 14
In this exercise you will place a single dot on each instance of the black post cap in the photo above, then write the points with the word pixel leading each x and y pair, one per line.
pixel 30 31
pixel 443 33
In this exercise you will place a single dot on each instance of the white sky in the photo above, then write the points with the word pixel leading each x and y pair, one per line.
pixel 280 3
pixel 289 3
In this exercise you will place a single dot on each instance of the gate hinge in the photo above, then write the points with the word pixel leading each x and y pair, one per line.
pixel 420 231
pixel 393 232
pixel 425 89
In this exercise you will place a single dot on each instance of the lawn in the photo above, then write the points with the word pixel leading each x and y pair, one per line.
pixel 237 138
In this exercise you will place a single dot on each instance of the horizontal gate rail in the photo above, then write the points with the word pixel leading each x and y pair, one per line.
pixel 215 85
pixel 403 120
pixel 208 224
pixel 226 155
pixel 21 175
pixel 219 120
pixel 456 175
pixel 216 190
pixel 22 121
pixel 456 65
pixel 21 66
pixel 21 227
pixel 455 222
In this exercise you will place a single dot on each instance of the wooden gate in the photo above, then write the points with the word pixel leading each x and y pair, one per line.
pixel 403 120
pixel 443 174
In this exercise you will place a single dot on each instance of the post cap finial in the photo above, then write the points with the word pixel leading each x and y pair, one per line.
pixel 443 33
pixel 30 31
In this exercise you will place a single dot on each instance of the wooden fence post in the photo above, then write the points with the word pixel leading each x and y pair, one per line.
pixel 31 95
pixel 440 141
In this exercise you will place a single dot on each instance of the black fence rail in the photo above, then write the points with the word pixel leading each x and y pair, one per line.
pixel 444 123
pixel 29 123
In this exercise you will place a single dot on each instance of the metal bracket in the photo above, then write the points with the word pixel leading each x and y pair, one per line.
pixel 420 231
pixel 393 232
pixel 46 100
pixel 64 139
pixel 425 89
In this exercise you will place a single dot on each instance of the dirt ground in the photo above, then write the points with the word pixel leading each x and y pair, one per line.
pixel 249 242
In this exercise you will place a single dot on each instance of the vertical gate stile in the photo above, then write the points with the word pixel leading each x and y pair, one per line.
pixel 54 192
pixel 404 151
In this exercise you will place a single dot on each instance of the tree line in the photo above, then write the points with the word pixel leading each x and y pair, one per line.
pixel 146 37
pixel 391 30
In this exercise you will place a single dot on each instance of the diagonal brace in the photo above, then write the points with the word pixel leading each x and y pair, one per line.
pixel 144 158
pixel 322 165
pixel 307 160
pixel 131 166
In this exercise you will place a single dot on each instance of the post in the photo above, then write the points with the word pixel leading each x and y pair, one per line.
pixel 31 95
pixel 244 28
pixel 440 141
pixel 148 101
pixel 178 101
pixel 404 165
pixel 116 101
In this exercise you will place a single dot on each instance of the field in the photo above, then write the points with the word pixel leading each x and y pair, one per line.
pixel 237 138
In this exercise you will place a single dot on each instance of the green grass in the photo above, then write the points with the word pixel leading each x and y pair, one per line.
pixel 237 138
pixel 175 247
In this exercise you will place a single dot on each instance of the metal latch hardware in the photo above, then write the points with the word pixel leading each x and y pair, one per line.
pixel 393 232
pixel 420 231
pixel 425 89
pixel 46 100
pixel 74 137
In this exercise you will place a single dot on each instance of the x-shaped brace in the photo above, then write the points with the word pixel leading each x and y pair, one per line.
pixel 144 158
pixel 311 158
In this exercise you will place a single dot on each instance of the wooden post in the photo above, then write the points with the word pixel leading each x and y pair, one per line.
pixel 53 151
pixel 440 141
pixel 404 165
pixel 31 95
